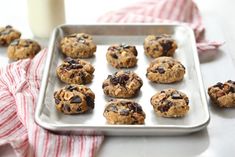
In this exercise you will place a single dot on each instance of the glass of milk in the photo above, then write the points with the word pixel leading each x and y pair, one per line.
pixel 45 15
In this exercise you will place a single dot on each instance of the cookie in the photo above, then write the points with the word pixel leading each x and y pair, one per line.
pixel 223 94
pixel 122 56
pixel 122 111
pixel 22 48
pixel 74 99
pixel 165 70
pixel 122 84
pixel 160 45
pixel 75 71
pixel 170 103
pixel 79 45
pixel 8 34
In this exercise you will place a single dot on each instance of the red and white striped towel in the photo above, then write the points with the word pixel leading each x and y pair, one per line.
pixel 19 88
pixel 164 11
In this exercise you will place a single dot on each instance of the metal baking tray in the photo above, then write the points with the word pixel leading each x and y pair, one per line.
pixel 94 122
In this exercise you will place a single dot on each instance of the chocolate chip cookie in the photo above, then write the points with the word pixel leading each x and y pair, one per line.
pixel 22 48
pixel 122 56
pixel 165 70
pixel 170 103
pixel 73 99
pixel 8 34
pixel 122 84
pixel 160 45
pixel 75 71
pixel 223 94
pixel 79 45
pixel 121 111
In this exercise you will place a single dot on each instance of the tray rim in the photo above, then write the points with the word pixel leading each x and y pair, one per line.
pixel 67 127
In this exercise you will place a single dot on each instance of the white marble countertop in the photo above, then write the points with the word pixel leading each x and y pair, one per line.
pixel 218 138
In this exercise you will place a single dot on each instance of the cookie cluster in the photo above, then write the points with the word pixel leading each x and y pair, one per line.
pixel 123 85
pixel 17 48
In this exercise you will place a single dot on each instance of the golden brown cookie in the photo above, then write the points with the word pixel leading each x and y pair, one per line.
pixel 8 34
pixel 22 48
pixel 170 103
pixel 75 71
pixel 79 45
pixel 165 70
pixel 73 99
pixel 223 94
pixel 122 84
pixel 122 111
pixel 160 45
pixel 122 56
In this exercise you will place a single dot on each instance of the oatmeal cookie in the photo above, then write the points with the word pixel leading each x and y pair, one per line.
pixel 160 45
pixel 165 70
pixel 170 103
pixel 79 45
pixel 75 71
pixel 74 99
pixel 122 84
pixel 223 94
pixel 122 111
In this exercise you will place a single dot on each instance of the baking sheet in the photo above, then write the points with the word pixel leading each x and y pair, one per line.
pixel 94 122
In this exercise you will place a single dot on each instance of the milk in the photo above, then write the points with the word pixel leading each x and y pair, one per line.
pixel 45 15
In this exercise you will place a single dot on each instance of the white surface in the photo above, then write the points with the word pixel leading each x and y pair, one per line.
pixel 218 139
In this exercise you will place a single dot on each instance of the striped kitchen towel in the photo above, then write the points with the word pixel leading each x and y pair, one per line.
pixel 164 11
pixel 19 88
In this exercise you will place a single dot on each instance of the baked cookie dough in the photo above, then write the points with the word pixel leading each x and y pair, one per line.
pixel 170 103
pixel 122 111
pixel 22 48
pixel 122 84
pixel 73 99
pixel 122 56
pixel 223 94
pixel 8 34
pixel 75 71
pixel 165 70
pixel 160 45
pixel 78 45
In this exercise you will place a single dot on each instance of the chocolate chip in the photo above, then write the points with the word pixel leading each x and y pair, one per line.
pixel 76 99
pixel 74 66
pixel 219 84
pixel 104 85
pixel 167 45
pixel 57 101
pixel 230 81
pixel 79 109
pixel 71 60
pixel 83 77
pixel 165 107
pixel 90 102
pixel 112 108
pixel 72 76
pixel 135 52
pixel 158 37
pixel 162 91
pixel 232 90
pixel 71 88
pixel 15 42
pixel 160 70
pixel 109 77
pixel 124 112
pixel 135 107
pixel 176 96
pixel 66 108
pixel 114 55
pixel 114 80
pixel 8 26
